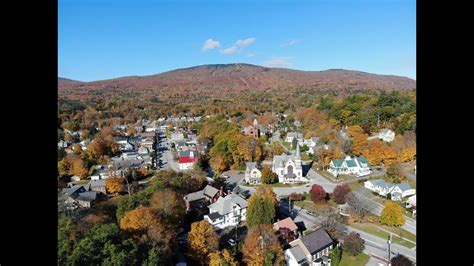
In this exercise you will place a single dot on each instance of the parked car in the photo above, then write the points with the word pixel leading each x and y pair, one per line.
pixel 231 242
pixel 225 176
pixel 179 230
pixel 246 194
pixel 311 213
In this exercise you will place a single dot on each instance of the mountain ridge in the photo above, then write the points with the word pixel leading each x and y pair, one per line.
pixel 240 77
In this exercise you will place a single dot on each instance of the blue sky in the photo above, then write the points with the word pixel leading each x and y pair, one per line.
pixel 102 39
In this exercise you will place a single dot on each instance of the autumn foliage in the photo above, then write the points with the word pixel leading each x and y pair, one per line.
pixel 359 139
pixel 392 214
pixel 340 193
pixel 222 258
pixel 317 193
pixel 202 240
pixel 168 203
pixel 353 244
pixel 262 247
pixel 115 184
pixel 139 219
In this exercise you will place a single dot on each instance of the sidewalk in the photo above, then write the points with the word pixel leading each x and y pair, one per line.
pixel 406 239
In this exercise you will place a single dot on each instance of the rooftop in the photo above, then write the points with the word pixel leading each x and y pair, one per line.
pixel 285 223
pixel 317 240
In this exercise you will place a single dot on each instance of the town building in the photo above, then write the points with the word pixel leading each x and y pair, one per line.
pixel 358 166
pixel 289 167
pixel 311 249
pixel 227 211
pixel 187 162
pixel 253 173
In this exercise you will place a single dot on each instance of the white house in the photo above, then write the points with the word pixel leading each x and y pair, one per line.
pixel 397 191
pixel 378 186
pixel 186 160
pixel 312 249
pixel 411 202
pixel 311 142
pixel 291 135
pixel 358 166
pixel 75 178
pixel 227 211
pixel 289 167
pixel 386 135
pixel 62 144
pixel 253 174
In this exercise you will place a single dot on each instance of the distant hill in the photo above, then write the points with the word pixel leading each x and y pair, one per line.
pixel 235 78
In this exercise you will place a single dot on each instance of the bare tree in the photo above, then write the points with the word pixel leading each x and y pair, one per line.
pixel 334 228
pixel 359 205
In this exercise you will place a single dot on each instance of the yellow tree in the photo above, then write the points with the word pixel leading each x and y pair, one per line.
pixel 79 168
pixel 375 154
pixel 221 258
pixel 139 219
pixel 65 166
pixel 115 184
pixel 408 154
pixel 218 163
pixel 392 214
pixel 262 247
pixel 389 155
pixel 202 240
pixel 359 139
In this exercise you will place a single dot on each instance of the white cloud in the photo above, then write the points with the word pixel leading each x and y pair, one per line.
pixel 229 50
pixel 210 44
pixel 290 42
pixel 278 62
pixel 245 42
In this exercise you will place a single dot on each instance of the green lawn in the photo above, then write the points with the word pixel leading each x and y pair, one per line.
pixel 309 205
pixel 371 229
pixel 272 185
pixel 355 185
pixel 81 182
pixel 339 178
pixel 359 260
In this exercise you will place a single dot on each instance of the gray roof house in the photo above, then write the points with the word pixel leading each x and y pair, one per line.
pixel 253 173
pixel 209 194
pixel 311 249
pixel 227 211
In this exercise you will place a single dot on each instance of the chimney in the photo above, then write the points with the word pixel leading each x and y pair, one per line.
pixel 222 191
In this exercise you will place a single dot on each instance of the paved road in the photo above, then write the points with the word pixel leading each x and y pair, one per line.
pixel 410 224
pixel 373 244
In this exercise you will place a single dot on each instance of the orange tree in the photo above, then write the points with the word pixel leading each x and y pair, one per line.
pixel 261 247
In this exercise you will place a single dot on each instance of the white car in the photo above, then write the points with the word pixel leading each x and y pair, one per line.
pixel 231 242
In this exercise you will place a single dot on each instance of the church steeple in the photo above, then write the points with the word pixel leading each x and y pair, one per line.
pixel 298 155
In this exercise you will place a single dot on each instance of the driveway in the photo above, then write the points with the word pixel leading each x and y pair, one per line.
pixel 235 178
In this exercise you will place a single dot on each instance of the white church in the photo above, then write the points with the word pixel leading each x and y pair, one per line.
pixel 289 168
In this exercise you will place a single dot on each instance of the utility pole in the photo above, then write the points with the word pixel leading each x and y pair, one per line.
pixel 289 204
pixel 389 241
